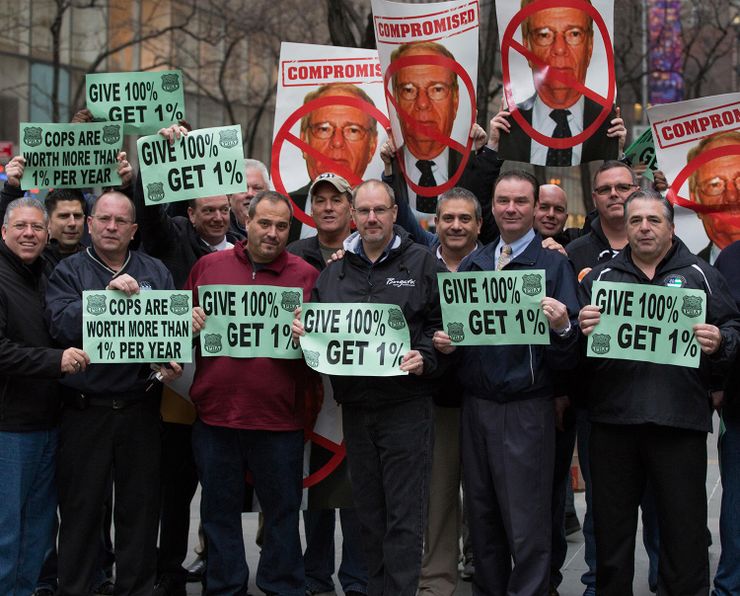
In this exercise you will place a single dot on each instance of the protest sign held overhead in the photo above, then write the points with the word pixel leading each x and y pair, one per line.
pixel 143 102
pixel 203 163
pixel 355 339
pixel 329 117
pixel 697 143
pixel 642 152
pixel 70 155
pixel 494 307
pixel 152 326
pixel 249 321
pixel 647 323
pixel 429 54
pixel 558 74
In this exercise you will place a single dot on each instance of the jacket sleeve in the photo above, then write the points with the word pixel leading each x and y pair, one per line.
pixel 406 218
pixel 722 312
pixel 20 360
pixel 7 196
pixel 157 231
pixel 481 172
pixel 432 320
pixel 64 306
pixel 562 353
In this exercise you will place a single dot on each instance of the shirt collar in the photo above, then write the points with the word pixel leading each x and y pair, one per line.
pixel 517 247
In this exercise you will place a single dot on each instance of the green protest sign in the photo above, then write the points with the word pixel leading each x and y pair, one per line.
pixel 70 155
pixel 203 163
pixel 642 150
pixel 647 323
pixel 249 321
pixel 151 326
pixel 143 102
pixel 494 308
pixel 355 339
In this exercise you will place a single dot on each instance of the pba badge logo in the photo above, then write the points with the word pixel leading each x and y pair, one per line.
pixel 531 284
pixel 600 344
pixel 456 332
pixel 396 319
pixel 170 82
pixel 112 133
pixel 692 306
pixel 312 358
pixel 228 138
pixel 179 304
pixel 32 136
pixel 212 343
pixel 290 301
pixel 155 191
pixel 96 304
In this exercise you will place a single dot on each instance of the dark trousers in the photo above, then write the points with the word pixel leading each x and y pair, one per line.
pixel 96 444
pixel 389 453
pixel 179 482
pixel 565 441
pixel 507 451
pixel 675 460
pixel 223 457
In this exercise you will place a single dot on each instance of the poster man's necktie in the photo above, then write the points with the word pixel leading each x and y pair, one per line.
pixel 504 258
pixel 426 204
pixel 560 157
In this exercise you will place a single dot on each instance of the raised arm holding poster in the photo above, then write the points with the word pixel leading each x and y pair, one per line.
pixel 697 143
pixel 429 54
pixel 559 83
pixel 329 117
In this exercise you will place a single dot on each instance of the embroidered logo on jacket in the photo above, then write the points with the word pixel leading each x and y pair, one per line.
pixel 400 283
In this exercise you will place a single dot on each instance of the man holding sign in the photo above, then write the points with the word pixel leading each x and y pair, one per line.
pixel 650 419
pixel 110 424
pixel 251 410
pixel 388 421
pixel 508 418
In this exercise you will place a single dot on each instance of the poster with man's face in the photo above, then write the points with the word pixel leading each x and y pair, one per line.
pixel 697 143
pixel 559 84
pixel 429 54
pixel 330 116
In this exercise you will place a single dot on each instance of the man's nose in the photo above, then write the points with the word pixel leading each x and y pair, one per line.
pixel 558 45
pixel 337 139
pixel 422 100
pixel 731 192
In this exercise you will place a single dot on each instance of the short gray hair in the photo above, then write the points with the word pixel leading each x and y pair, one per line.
pixel 256 164
pixel 25 202
pixel 650 195
pixel 374 182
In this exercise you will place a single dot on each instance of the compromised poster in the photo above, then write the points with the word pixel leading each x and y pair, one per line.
pixel 697 144
pixel 557 60
pixel 329 117
pixel 429 55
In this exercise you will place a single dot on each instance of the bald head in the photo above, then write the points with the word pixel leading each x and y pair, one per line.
pixel 552 210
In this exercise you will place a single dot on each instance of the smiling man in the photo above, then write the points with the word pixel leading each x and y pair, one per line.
pixel 508 418
pixel 651 420
pixel 255 426
pixel 562 39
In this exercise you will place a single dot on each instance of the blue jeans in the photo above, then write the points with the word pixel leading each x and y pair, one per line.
pixel 389 453
pixel 223 456
pixel 727 580
pixel 29 502
pixel 319 556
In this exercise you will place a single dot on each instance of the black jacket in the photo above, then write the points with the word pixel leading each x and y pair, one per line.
pixel 590 250
pixel 514 373
pixel 172 240
pixel 631 392
pixel 308 249
pixel 355 279
pixel 29 365
pixel 728 264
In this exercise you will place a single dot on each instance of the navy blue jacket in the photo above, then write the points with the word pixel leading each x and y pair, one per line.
pixel 85 271
pixel 513 373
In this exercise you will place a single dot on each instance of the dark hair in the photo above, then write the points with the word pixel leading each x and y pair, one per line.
pixel 268 195
pixel 520 175
pixel 64 194
pixel 460 193
pixel 650 195
pixel 610 164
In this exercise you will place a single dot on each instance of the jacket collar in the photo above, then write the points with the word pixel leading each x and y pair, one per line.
pixel 484 259
pixel 277 266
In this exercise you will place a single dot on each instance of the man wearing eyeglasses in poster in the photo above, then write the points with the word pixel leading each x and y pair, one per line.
pixel 563 38
pixel 345 135
pixel 717 184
